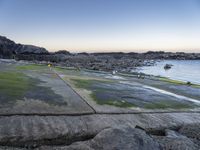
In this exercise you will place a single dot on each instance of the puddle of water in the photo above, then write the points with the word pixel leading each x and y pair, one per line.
pixel 114 77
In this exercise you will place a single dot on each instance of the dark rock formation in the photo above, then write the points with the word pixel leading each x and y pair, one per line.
pixel 8 48
pixel 64 52
pixel 30 49
pixel 175 141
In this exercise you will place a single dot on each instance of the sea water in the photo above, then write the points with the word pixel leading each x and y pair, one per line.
pixel 183 70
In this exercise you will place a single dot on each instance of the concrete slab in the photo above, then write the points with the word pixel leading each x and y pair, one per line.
pixel 108 93
pixel 30 89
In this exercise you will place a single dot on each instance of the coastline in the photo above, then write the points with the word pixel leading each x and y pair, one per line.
pixel 54 127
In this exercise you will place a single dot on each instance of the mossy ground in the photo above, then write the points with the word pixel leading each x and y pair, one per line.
pixel 89 85
pixel 14 85
pixel 168 104
pixel 113 102
pixel 64 69
pixel 177 82
pixel 110 95
pixel 81 83
pixel 31 67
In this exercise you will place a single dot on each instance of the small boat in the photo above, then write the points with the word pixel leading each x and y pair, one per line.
pixel 168 66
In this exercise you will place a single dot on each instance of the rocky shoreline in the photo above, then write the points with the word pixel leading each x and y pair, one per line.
pixel 35 124
pixel 117 61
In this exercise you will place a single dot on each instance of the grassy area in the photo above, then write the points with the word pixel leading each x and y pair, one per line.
pixel 172 81
pixel 117 103
pixel 31 67
pixel 14 84
pixel 88 84
pixel 82 83
pixel 68 71
pixel 108 95
pixel 167 105
pixel 65 68
pixel 177 82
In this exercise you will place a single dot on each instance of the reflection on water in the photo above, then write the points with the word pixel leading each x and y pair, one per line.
pixel 184 70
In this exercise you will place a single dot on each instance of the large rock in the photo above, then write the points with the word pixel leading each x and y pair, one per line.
pixel 191 131
pixel 116 138
pixel 9 48
pixel 31 49
pixel 175 141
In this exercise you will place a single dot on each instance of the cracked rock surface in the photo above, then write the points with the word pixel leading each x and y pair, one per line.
pixel 171 131
pixel 120 137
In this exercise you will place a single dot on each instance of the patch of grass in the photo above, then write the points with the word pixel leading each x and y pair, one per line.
pixel 108 96
pixel 167 105
pixel 171 81
pixel 177 82
pixel 31 67
pixel 80 83
pixel 87 84
pixel 64 69
pixel 116 103
pixel 68 71
pixel 13 84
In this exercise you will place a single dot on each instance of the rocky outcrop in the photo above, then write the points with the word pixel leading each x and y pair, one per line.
pixel 30 49
pixel 99 131
pixel 173 140
pixel 115 138
pixel 9 48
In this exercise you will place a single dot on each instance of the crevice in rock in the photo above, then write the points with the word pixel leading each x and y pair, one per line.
pixel 158 131
pixel 59 141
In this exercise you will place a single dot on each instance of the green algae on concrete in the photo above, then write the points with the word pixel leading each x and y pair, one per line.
pixel 120 95
pixel 68 71
pixel 168 104
pixel 178 82
pixel 82 83
pixel 113 102
pixel 17 86
pixel 88 84
pixel 58 68
pixel 13 85
pixel 31 67
pixel 36 89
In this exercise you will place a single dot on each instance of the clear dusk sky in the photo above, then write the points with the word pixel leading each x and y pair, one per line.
pixel 103 25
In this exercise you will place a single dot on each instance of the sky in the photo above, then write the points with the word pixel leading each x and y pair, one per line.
pixel 103 25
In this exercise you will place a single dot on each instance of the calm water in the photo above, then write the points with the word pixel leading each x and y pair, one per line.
pixel 184 70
